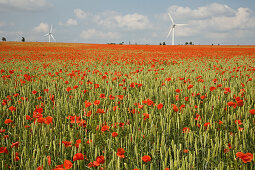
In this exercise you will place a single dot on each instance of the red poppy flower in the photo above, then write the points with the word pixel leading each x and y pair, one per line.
pixel 212 88
pixel 12 108
pixel 68 89
pixel 185 130
pixel 67 143
pixel 160 106
pixel 100 159
pixel 120 152
pixel 146 158
pixel 49 160
pixel 246 157
pixel 102 96
pixel 34 91
pixel 206 124
pixel 97 86
pixel 175 108
pixel 3 150
pixel 114 134
pixel 48 120
pixel 78 156
pixel 96 102
pixel 105 128
pixel 87 104
pixel 190 86
pixel 75 87
pixel 252 111
pixel 111 97
pixel 41 120
pixel 16 145
pixel 68 164
pixel 185 150
pixel 146 116
pixel 8 121
pixel 77 143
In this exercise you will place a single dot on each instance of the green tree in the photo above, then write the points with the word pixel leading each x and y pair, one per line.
pixel 186 43
pixel 23 39
pixel 164 43
pixel 190 43
pixel 3 39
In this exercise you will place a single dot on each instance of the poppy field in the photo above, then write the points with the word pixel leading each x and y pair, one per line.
pixel 92 106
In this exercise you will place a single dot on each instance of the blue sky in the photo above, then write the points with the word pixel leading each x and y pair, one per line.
pixel 134 21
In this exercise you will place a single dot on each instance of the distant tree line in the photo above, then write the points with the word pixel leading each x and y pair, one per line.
pixel 22 39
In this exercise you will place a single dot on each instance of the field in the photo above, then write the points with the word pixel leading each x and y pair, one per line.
pixel 90 106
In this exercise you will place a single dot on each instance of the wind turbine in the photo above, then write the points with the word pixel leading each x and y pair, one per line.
pixel 172 28
pixel 50 34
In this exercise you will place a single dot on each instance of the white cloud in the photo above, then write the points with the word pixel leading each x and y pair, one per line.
pixel 42 27
pixel 69 22
pixel 80 13
pixel 212 21
pixel 112 19
pixel 214 9
pixel 94 34
pixel 132 21
pixel 24 4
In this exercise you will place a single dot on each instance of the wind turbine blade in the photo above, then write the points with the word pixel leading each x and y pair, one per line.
pixel 169 32
pixel 52 37
pixel 51 29
pixel 181 24
pixel 46 35
pixel 171 18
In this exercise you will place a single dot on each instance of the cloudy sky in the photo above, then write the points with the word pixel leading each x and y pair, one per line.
pixel 140 21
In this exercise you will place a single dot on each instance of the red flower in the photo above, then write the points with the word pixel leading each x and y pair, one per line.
pixel 68 164
pixel 16 145
pixel 77 143
pixel 78 156
pixel 68 89
pixel 48 120
pixel 185 150
pixel 3 150
pixel 7 121
pixel 185 130
pixel 212 88
pixel 67 143
pixel 34 91
pixel 146 158
pixel 206 124
pixel 175 108
pixel 49 160
pixel 96 102
pixel 87 104
pixel 100 159
pixel 102 96
pixel 190 86
pixel 246 157
pixel 252 111
pixel 160 106
pixel 12 108
pixel 120 153
pixel 105 128
pixel 146 116
pixel 41 120
pixel 114 134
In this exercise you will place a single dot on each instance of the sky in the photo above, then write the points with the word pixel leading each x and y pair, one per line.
pixel 225 22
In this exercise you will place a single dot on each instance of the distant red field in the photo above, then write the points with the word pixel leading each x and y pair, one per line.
pixel 90 106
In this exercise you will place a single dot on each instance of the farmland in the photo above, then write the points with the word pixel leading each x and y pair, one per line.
pixel 90 106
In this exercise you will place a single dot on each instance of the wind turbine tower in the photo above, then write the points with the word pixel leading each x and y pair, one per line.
pixel 50 34
pixel 172 28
